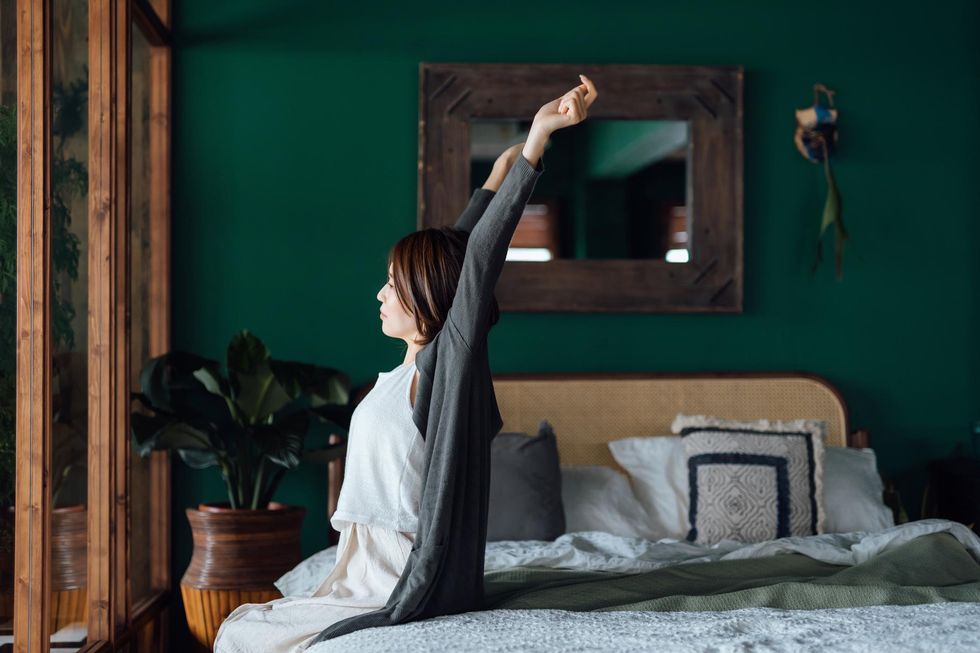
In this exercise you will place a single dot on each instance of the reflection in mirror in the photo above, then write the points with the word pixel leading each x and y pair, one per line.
pixel 615 189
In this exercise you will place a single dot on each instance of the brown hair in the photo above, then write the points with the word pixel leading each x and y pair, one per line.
pixel 425 267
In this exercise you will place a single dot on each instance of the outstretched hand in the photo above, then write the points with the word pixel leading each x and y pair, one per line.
pixel 567 110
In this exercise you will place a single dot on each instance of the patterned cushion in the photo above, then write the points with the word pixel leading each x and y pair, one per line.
pixel 753 481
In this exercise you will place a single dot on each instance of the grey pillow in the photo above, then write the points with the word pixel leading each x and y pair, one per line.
pixel 525 487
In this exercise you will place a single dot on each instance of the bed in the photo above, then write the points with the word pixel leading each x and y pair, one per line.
pixel 913 586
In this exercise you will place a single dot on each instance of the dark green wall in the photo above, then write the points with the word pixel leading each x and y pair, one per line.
pixel 295 170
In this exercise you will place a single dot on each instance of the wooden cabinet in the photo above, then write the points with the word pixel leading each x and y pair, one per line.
pixel 95 574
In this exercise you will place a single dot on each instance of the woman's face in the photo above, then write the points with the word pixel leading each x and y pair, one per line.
pixel 396 322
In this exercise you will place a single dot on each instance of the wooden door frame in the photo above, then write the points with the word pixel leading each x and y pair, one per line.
pixel 108 353
pixel 32 500
pixel 113 617
pixel 114 620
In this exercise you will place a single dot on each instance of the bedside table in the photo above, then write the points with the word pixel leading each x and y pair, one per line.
pixel 953 491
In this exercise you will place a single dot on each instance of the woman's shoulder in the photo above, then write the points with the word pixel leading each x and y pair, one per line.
pixel 447 348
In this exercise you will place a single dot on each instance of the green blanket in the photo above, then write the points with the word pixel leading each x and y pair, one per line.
pixel 928 569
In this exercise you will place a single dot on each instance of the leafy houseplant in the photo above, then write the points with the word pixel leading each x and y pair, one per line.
pixel 252 425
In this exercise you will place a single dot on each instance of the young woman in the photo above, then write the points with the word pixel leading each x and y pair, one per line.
pixel 413 505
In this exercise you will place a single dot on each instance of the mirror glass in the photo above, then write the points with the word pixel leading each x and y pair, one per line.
pixel 615 189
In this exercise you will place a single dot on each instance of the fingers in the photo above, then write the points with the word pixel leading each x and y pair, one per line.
pixel 592 92
pixel 574 104
pixel 566 103
pixel 573 112
pixel 574 98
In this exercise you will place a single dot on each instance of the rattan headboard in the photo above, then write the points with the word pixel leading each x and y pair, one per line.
pixel 588 410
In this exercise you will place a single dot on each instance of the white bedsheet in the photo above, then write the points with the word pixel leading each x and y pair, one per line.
pixel 946 627
pixel 927 628
pixel 598 550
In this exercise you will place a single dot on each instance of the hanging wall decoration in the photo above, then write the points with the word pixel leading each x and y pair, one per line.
pixel 816 139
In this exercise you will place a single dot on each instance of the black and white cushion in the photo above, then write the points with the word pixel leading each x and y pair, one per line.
pixel 753 481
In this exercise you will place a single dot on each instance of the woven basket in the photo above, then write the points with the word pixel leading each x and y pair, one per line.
pixel 238 554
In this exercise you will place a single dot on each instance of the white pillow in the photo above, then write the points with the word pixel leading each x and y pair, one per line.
pixel 852 492
pixel 657 467
pixel 599 498
pixel 658 473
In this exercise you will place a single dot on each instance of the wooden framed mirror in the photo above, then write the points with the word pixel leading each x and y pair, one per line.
pixel 640 206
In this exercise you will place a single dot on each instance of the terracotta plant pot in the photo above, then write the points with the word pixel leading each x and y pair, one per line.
pixel 69 596
pixel 238 554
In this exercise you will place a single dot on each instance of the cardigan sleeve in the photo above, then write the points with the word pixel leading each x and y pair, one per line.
pixel 471 214
pixel 486 251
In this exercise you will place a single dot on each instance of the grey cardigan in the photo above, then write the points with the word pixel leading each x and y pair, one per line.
pixel 456 413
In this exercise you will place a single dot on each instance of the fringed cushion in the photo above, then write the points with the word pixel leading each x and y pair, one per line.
pixel 753 481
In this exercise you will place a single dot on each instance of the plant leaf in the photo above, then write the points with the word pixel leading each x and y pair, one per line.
pixel 280 444
pixel 324 385
pixel 170 385
pixel 255 389
pixel 152 432
pixel 198 458
pixel 833 215
pixel 162 374
pixel 210 377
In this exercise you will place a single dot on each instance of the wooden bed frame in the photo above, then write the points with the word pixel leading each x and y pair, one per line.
pixel 588 409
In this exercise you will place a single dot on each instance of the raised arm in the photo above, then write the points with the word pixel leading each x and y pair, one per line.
pixel 491 236
pixel 481 197
pixel 471 214
pixel 487 250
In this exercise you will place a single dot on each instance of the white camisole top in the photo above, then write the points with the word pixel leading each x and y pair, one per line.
pixel 383 466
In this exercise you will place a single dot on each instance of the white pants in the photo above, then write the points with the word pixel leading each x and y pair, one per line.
pixel 370 560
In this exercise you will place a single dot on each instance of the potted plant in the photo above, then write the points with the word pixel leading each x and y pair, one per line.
pixel 69 518
pixel 252 425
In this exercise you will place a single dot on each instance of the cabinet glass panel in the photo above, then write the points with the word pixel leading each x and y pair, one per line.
pixel 69 281
pixel 8 310
pixel 140 542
